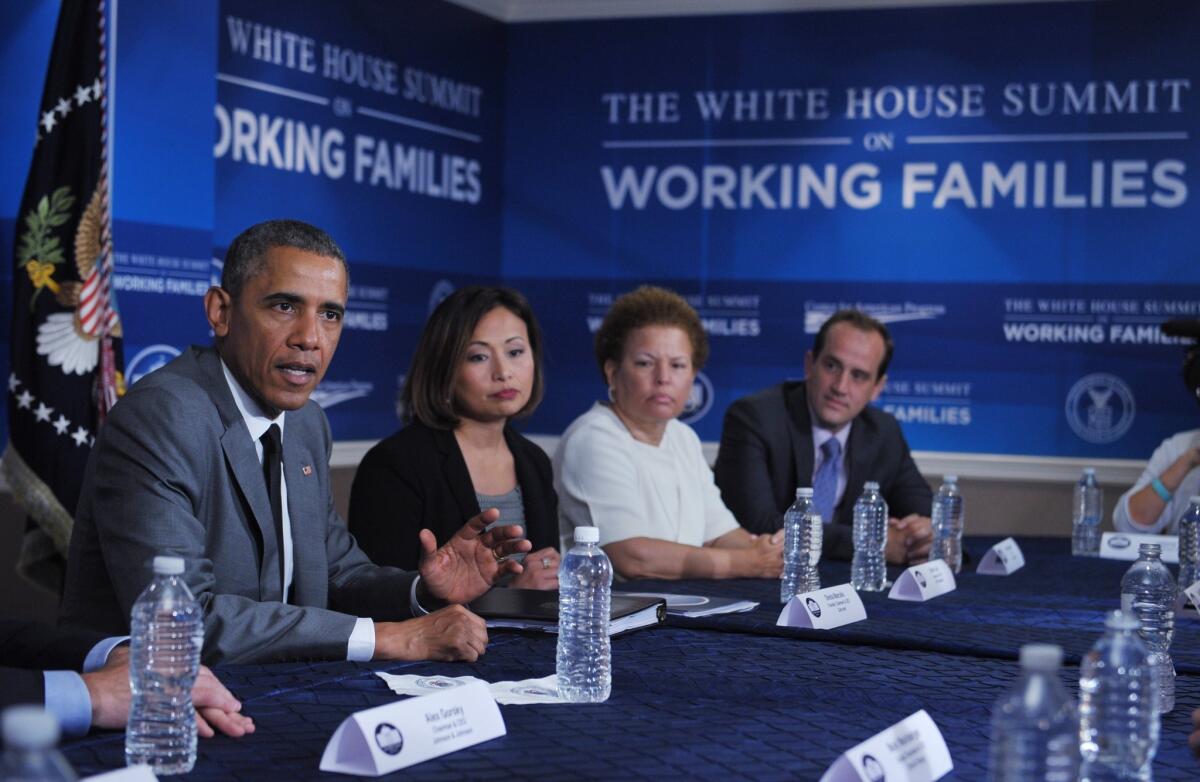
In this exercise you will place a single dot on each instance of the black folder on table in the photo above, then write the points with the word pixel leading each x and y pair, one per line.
pixel 537 609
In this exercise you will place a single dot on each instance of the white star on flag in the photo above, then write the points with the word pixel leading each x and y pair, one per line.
pixel 63 106
pixel 82 95
pixel 62 424
pixel 43 413
pixel 48 121
pixel 12 381
pixel 24 399
pixel 80 436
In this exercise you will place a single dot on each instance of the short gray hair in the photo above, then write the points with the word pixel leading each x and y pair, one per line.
pixel 247 254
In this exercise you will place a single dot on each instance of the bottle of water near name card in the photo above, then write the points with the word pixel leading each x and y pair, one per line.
pixel 1189 544
pixel 584 664
pixel 1088 507
pixel 1035 725
pixel 1148 592
pixel 1118 705
pixel 803 534
pixel 30 736
pixel 868 570
pixel 164 660
pixel 948 519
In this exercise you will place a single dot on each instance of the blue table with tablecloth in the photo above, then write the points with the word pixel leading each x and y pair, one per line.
pixel 726 697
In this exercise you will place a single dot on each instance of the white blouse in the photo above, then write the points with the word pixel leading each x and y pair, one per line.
pixel 607 479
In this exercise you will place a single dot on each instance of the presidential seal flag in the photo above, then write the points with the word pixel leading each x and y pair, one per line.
pixel 66 333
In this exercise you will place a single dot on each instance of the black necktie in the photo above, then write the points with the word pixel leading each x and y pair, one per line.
pixel 272 444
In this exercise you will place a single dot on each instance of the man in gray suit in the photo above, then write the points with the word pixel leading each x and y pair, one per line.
pixel 220 458
pixel 822 432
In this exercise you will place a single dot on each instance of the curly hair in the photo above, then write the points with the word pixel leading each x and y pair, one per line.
pixel 648 306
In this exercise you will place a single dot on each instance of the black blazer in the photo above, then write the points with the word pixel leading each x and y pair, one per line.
pixel 418 479
pixel 767 451
pixel 28 648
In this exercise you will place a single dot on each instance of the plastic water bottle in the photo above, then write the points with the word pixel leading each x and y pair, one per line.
pixel 584 664
pixel 1118 704
pixel 1148 592
pixel 868 571
pixel 1189 545
pixel 803 534
pixel 948 524
pixel 30 735
pixel 1035 726
pixel 1088 506
pixel 167 635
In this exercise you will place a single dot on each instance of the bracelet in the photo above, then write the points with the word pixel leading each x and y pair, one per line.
pixel 1161 490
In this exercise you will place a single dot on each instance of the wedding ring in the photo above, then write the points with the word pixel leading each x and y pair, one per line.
pixel 499 557
pixel 546 562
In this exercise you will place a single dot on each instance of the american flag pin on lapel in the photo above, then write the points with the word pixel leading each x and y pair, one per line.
pixel 306 469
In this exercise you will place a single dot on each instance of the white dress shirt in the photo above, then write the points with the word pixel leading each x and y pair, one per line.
pixel 1164 456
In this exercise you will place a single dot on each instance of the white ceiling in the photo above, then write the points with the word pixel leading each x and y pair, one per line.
pixel 555 10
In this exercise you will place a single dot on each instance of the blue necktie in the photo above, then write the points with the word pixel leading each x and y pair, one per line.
pixel 825 481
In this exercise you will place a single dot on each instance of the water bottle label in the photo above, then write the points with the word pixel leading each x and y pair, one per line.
pixel 381 740
pixel 1124 545
pixel 911 749
pixel 823 609
pixel 924 582
pixel 1001 559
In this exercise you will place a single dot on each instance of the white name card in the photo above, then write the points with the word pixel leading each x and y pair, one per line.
pixel 912 750
pixel 923 582
pixel 1124 545
pixel 381 740
pixel 823 609
pixel 1192 593
pixel 1001 559
pixel 127 774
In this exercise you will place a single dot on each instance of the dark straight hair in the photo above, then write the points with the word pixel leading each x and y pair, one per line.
pixel 428 394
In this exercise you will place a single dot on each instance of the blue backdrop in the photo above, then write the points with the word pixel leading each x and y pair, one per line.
pixel 1010 188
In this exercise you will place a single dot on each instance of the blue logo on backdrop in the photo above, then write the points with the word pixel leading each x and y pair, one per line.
pixel 441 291
pixel 1100 408
pixel 389 739
pixel 334 392
pixel 149 359
pixel 700 401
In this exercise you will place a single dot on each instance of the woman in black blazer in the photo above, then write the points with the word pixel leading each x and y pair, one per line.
pixel 476 367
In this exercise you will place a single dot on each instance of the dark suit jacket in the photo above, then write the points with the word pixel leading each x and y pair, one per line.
pixel 767 451
pixel 174 471
pixel 417 479
pixel 28 648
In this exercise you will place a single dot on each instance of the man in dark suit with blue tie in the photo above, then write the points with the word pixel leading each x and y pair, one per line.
pixel 822 432
pixel 221 458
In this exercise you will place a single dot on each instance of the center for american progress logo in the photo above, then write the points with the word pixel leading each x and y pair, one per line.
pixel 1100 408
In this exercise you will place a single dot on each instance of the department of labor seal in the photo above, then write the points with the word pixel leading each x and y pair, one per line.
pixel 1100 408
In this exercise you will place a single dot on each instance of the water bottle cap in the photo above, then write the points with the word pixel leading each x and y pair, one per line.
pixel 871 486
pixel 1041 657
pixel 1152 549
pixel 1120 620
pixel 1194 499
pixel 806 491
pixel 168 566
pixel 949 479
pixel 587 534
pixel 1089 470
pixel 29 727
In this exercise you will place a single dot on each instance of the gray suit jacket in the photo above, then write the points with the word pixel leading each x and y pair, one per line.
pixel 174 471
pixel 767 451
